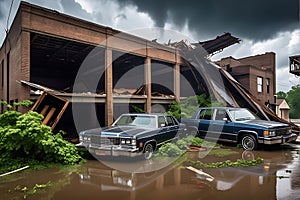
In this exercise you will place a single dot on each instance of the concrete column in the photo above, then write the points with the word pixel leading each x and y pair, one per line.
pixel 177 81
pixel 108 87
pixel 148 84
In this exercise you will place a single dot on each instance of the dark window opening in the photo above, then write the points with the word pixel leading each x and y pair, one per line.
pixel 55 63
pixel 2 73
pixel 268 85
pixel 7 76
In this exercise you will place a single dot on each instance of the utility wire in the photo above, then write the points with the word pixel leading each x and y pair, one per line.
pixel 9 13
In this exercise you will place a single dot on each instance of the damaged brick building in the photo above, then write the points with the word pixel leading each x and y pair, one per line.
pixel 256 73
pixel 45 49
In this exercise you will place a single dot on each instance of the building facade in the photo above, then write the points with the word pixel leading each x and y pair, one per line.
pixel 104 72
pixel 256 73
pixel 282 109
pixel 49 48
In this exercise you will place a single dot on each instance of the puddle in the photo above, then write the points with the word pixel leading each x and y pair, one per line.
pixel 277 178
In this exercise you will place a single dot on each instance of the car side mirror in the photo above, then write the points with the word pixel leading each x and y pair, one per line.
pixel 162 125
pixel 225 119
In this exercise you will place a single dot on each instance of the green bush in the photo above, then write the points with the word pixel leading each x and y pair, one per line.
pixel 185 142
pixel 170 150
pixel 24 136
pixel 178 148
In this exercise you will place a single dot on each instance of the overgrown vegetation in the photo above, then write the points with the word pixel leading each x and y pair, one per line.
pixel 25 140
pixel 30 191
pixel 187 107
pixel 227 163
pixel 180 147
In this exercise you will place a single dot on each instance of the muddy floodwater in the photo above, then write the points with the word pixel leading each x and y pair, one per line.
pixel 277 178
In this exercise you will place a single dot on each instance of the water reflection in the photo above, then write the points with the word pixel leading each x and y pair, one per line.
pixel 259 182
pixel 94 180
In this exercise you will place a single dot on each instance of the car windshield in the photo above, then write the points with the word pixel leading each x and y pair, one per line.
pixel 242 114
pixel 137 120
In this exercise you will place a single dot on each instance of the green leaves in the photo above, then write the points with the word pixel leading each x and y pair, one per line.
pixel 24 136
pixel 292 99
pixel 228 163
pixel 187 107
pixel 180 147
pixel 170 150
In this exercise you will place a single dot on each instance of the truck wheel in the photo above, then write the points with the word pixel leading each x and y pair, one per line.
pixel 248 142
pixel 148 151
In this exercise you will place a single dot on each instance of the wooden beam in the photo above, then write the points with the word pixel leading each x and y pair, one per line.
pixel 177 81
pixel 49 116
pixel 108 87
pixel 148 84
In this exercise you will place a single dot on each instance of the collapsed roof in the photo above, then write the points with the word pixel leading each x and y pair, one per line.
pixel 221 86
pixel 218 44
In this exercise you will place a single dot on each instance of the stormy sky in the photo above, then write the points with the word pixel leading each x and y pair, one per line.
pixel 262 25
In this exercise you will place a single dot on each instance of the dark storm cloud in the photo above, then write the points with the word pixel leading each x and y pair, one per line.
pixel 4 7
pixel 255 19
pixel 73 8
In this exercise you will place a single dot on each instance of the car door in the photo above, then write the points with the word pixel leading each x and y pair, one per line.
pixel 163 130
pixel 205 117
pixel 173 127
pixel 222 127
pixel 168 129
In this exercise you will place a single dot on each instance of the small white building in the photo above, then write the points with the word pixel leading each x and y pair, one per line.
pixel 282 109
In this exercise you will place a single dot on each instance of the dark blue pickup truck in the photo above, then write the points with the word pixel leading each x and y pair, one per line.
pixel 238 125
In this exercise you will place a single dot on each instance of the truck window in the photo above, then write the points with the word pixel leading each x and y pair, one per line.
pixel 221 114
pixel 206 114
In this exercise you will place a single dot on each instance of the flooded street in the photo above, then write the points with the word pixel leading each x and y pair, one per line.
pixel 277 178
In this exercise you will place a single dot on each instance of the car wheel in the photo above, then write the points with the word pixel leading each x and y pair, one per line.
pixel 248 155
pixel 249 142
pixel 192 131
pixel 148 151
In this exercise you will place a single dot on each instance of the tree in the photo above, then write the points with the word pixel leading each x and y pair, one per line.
pixel 187 107
pixel 281 95
pixel 293 97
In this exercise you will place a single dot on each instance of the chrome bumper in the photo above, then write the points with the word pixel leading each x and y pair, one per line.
pixel 110 150
pixel 278 139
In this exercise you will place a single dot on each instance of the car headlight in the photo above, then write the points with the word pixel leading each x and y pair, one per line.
pixel 84 138
pixel 272 133
pixel 128 141
pixel 269 133
pixel 133 141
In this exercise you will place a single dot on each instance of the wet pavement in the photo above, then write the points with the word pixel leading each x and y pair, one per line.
pixel 277 178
